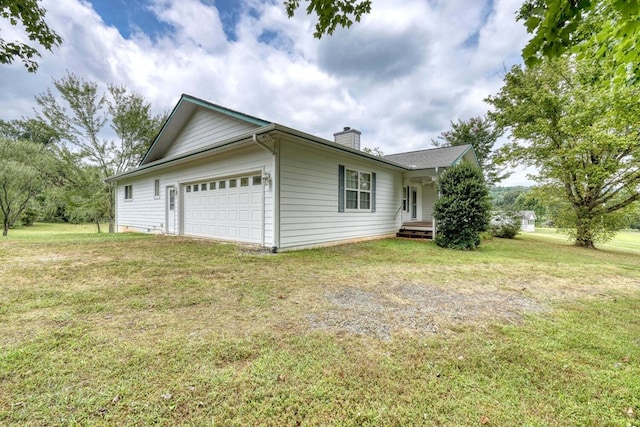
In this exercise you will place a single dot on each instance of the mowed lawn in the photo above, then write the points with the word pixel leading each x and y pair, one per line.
pixel 135 330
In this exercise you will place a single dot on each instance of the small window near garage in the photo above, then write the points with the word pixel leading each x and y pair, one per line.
pixel 203 187
pixel 188 189
pixel 128 192
pixel 222 184
pixel 244 182
pixel 196 187
pixel 233 183
pixel 257 180
pixel 212 186
pixel 156 188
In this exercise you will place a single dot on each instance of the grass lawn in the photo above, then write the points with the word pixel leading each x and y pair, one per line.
pixel 99 329
pixel 625 241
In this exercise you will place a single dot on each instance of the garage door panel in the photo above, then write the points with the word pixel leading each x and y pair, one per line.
pixel 234 213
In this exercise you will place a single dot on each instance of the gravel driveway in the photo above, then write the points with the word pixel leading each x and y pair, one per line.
pixel 417 310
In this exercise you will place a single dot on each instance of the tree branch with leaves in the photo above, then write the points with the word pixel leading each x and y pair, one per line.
pixel 30 15
pixel 331 13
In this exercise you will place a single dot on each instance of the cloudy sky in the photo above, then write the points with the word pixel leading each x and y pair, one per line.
pixel 400 76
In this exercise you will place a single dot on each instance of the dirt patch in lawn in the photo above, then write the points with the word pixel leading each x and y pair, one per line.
pixel 417 310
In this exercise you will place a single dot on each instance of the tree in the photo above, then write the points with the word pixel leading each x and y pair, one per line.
pixel 518 199
pixel 463 209
pixel 23 169
pixel 79 121
pixel 33 130
pixel 331 13
pixel 86 197
pixel 479 132
pixel 581 133
pixel 376 151
pixel 31 16
pixel 602 29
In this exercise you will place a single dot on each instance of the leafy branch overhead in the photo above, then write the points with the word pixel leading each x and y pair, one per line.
pixel 592 29
pixel 331 13
pixel 30 15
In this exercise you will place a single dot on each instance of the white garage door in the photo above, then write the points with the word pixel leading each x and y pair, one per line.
pixel 229 209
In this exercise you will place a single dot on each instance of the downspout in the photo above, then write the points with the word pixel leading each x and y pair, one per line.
pixel 437 197
pixel 276 192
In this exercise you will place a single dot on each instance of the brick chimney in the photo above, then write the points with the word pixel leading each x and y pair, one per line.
pixel 348 137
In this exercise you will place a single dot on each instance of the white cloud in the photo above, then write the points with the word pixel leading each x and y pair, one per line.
pixel 400 76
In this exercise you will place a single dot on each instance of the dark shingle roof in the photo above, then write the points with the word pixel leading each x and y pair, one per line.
pixel 430 158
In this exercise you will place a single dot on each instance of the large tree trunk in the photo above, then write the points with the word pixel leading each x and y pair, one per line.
pixel 98 224
pixel 112 209
pixel 584 234
pixel 5 230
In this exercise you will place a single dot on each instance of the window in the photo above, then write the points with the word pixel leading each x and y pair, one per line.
pixel 128 192
pixel 203 187
pixel 188 189
pixel 405 199
pixel 233 183
pixel 222 184
pixel 212 186
pixel 244 182
pixel 156 188
pixel 196 187
pixel 257 180
pixel 358 190
pixel 172 199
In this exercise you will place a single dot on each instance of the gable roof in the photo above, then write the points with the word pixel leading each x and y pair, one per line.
pixel 187 105
pixel 432 157
pixel 179 117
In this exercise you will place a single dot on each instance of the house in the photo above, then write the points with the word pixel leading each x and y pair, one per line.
pixel 217 173
pixel 528 223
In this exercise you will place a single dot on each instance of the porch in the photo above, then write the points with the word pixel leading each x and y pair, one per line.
pixel 417 230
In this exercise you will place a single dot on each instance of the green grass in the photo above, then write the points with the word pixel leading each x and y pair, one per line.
pixel 625 241
pixel 135 329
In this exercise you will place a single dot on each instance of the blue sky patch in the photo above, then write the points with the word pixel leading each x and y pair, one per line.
pixel 130 16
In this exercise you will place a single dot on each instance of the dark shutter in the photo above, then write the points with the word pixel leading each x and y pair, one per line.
pixel 340 188
pixel 373 191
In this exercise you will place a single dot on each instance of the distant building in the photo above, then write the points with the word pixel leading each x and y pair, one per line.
pixel 528 223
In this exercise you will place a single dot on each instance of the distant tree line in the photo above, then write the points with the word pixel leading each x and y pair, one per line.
pixel 54 164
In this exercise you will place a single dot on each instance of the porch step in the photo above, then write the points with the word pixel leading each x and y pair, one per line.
pixel 415 234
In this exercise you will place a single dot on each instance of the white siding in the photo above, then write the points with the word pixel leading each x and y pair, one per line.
pixel 206 128
pixel 144 213
pixel 429 197
pixel 309 198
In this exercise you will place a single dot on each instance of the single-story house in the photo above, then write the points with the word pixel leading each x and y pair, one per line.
pixel 217 173
pixel 528 223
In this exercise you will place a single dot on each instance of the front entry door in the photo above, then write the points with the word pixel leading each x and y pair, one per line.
pixel 414 203
pixel 172 218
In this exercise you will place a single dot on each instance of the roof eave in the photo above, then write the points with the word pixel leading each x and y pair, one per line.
pixel 193 155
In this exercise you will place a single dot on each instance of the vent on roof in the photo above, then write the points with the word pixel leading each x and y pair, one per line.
pixel 348 137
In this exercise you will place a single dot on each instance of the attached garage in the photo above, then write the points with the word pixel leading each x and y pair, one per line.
pixel 228 208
